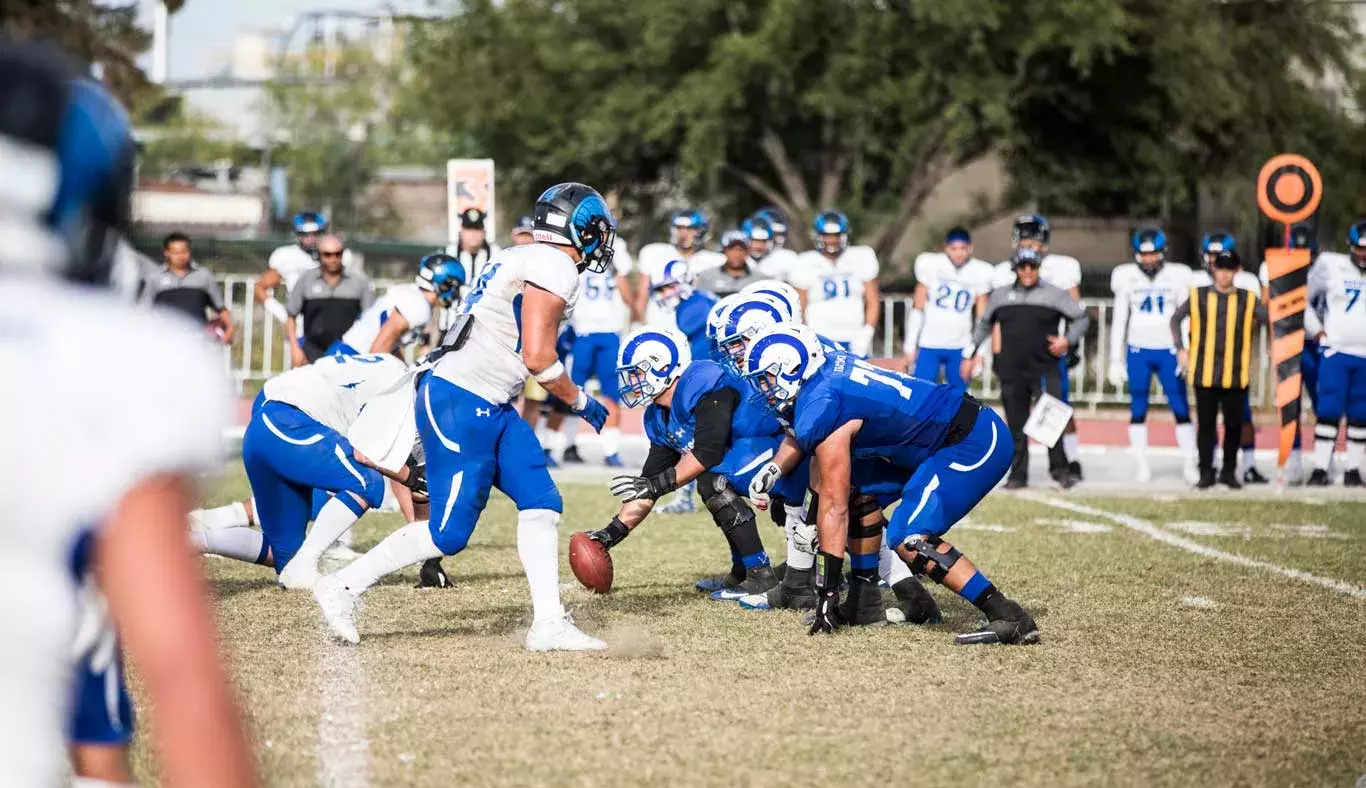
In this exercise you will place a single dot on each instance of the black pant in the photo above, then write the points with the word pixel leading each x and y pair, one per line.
pixel 1208 403
pixel 1017 397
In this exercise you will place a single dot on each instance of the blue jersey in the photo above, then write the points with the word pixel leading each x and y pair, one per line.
pixel 691 317
pixel 904 418
pixel 674 426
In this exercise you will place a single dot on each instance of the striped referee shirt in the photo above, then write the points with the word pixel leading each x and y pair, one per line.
pixel 1222 330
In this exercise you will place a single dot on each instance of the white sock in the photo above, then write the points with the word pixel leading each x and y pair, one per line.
pixel 239 542
pixel 1325 435
pixel 1249 457
pixel 232 515
pixel 554 442
pixel 1356 446
pixel 890 567
pixel 611 441
pixel 1071 446
pixel 796 557
pixel 411 544
pixel 538 545
pixel 347 537
pixel 334 519
pixel 1138 438
pixel 1185 441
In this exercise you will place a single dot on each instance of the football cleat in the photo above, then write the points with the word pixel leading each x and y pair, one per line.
pixel 914 604
pixel 613 461
pixel 1074 468
pixel 1206 480
pixel 862 605
pixel 338 606
pixel 757 581
pixel 795 592
pixel 1012 626
pixel 1319 478
pixel 571 456
pixel 433 575
pixel 1254 476
pixel 299 574
pixel 1230 479
pixel 560 634
pixel 1016 484
pixel 714 583
pixel 1064 479
pixel 1351 478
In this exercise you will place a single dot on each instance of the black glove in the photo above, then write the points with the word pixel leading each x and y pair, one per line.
pixel 417 480
pixel 612 535
pixel 433 575
pixel 635 488
pixel 829 573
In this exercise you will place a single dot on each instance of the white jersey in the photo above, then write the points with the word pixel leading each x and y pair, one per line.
pixel 1059 270
pixel 778 264
pixel 601 308
pixel 407 300
pixel 332 389
pixel 1339 283
pixel 81 426
pixel 952 290
pixel 490 365
pixel 651 262
pixel 1243 280
pixel 834 290
pixel 1144 306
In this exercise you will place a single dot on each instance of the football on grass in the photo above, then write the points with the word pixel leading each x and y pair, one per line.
pixel 591 562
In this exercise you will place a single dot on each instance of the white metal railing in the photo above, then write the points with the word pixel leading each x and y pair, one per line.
pixel 259 350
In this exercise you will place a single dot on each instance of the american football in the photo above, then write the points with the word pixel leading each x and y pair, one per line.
pixel 591 563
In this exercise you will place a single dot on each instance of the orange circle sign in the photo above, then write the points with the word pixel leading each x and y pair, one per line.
pixel 1289 188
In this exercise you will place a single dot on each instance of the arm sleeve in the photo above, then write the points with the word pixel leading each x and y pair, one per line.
pixel 1119 327
pixel 660 459
pixel 711 437
pixel 1182 312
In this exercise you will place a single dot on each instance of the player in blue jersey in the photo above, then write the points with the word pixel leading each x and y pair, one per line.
pixel 674 290
pixel 844 409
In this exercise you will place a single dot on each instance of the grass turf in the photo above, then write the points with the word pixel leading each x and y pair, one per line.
pixel 1256 682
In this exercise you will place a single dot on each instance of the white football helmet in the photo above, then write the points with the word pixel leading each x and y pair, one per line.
pixel 675 284
pixel 651 360
pixel 744 320
pixel 780 290
pixel 780 360
pixel 717 315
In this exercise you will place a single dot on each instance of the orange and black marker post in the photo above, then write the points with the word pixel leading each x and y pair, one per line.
pixel 1288 191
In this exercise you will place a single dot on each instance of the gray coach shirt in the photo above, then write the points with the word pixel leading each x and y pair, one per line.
pixel 328 310
pixel 720 283
pixel 195 294
pixel 1028 316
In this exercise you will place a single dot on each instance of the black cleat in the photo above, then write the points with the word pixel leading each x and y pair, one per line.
pixel 916 604
pixel 571 456
pixel 1011 625
pixel 758 580
pixel 1074 468
pixel 1064 479
pixel 730 579
pixel 1230 480
pixel 1319 478
pixel 1254 476
pixel 862 606
pixel 1016 484
pixel 795 592
pixel 1206 480
pixel 432 575
pixel 1351 478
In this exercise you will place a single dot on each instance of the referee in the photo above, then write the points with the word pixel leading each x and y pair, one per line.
pixel 1223 319
pixel 1029 311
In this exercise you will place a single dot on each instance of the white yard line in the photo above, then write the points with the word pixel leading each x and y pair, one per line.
pixel 1153 532
pixel 343 752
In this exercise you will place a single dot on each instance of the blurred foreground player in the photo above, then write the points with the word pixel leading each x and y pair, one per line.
pixel 66 170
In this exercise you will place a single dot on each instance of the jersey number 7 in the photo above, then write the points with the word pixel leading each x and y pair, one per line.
pixel 865 374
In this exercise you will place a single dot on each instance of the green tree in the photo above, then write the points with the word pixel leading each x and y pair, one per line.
pixel 103 33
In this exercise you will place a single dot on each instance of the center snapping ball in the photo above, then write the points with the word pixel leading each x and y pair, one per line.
pixel 591 562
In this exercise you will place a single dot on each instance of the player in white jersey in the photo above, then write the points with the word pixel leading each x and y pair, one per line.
pixel 598 320
pixel 287 263
pixel 474 439
pixel 1147 293
pixel 1210 247
pixel 1337 281
pixel 951 289
pixel 1032 231
pixel 837 284
pixel 97 474
pixel 687 241
pixel 774 261
pixel 399 316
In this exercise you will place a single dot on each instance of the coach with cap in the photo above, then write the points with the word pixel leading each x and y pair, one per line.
pixel 736 273
pixel 474 250
pixel 1028 311
pixel 329 298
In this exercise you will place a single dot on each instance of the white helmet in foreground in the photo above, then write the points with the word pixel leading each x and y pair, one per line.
pixel 651 360
pixel 780 360
pixel 745 319
pixel 780 290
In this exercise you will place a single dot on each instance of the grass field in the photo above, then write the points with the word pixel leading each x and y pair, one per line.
pixel 1159 665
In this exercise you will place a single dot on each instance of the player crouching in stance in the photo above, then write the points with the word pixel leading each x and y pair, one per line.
pixel 703 426
pixel 842 408
pixel 473 438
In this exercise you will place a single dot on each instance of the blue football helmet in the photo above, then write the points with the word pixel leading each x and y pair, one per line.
pixel 777 223
pixel 1356 242
pixel 69 156
pixel 674 285
pixel 780 360
pixel 442 274
pixel 306 222
pixel 1030 227
pixel 651 359
pixel 1211 244
pixel 1149 240
pixel 689 219
pixel 831 224
pixel 1303 236
pixel 575 215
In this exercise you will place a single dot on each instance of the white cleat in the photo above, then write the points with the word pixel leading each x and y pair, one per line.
pixel 1143 473
pixel 338 606
pixel 1190 473
pixel 300 574
pixel 560 634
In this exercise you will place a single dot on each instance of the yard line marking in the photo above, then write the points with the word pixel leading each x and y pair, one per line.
pixel 1148 529
pixel 343 752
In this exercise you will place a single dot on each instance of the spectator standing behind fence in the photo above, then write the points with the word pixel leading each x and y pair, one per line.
pixel 1218 354
pixel 736 273
pixel 185 286
pixel 951 288
pixel 1029 311
pixel 328 298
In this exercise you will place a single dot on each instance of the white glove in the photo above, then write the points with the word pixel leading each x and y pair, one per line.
pixel 763 481
pixel 276 309
pixel 804 535
pixel 1117 376
pixel 863 340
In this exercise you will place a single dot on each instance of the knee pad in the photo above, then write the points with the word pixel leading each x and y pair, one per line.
pixel 933 556
pixel 728 510
pixel 865 517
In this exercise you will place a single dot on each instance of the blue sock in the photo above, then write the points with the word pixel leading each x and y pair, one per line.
pixel 863 563
pixel 975 587
pixel 760 559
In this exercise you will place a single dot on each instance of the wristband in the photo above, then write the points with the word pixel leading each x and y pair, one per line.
pixel 276 309
pixel 829 572
pixel 581 401
pixel 664 482
pixel 552 372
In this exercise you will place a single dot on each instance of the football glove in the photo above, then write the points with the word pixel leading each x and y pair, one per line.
pixel 635 488
pixel 591 411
